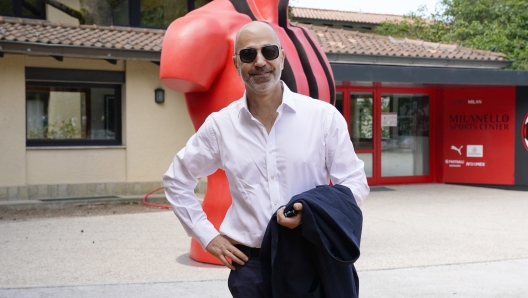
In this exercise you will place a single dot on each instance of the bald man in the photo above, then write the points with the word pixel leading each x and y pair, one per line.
pixel 272 144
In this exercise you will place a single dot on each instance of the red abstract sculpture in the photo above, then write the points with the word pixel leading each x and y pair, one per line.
pixel 196 59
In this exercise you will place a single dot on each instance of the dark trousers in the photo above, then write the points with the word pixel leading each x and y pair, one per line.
pixel 246 281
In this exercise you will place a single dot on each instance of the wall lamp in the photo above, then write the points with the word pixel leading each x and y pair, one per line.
pixel 159 95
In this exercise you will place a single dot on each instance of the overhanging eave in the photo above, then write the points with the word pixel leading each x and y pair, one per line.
pixel 416 61
pixel 428 75
pixel 77 51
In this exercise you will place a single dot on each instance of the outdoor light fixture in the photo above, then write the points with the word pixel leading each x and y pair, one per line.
pixel 159 95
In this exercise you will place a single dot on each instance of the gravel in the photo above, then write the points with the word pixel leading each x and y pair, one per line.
pixel 9 215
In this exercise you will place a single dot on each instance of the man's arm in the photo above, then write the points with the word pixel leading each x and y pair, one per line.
pixel 344 166
pixel 199 158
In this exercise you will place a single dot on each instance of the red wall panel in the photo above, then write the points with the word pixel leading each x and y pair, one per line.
pixel 479 135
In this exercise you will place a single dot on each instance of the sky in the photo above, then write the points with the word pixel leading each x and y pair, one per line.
pixel 398 7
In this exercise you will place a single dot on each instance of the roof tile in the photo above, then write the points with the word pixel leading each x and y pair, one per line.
pixel 372 44
pixel 344 16
pixel 331 40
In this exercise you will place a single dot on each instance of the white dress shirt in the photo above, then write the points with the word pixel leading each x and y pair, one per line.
pixel 309 145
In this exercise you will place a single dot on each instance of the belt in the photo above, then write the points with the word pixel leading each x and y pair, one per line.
pixel 249 251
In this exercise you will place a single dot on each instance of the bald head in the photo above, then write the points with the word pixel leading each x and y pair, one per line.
pixel 254 31
pixel 260 74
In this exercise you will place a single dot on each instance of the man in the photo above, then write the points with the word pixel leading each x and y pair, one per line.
pixel 196 60
pixel 272 144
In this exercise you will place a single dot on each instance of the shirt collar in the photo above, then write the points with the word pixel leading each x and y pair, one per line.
pixel 287 97
pixel 287 100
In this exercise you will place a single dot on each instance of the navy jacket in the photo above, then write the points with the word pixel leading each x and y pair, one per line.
pixel 316 259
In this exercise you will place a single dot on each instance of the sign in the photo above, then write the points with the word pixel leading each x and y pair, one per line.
pixel 479 119
pixel 389 119
pixel 475 151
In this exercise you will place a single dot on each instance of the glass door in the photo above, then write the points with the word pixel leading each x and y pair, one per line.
pixel 390 131
pixel 404 135
pixel 359 107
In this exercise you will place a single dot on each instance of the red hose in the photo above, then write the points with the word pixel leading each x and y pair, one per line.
pixel 152 204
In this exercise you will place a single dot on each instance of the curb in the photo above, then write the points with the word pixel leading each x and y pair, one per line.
pixel 65 202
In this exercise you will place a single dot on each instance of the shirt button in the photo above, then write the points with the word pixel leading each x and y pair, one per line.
pixel 272 177
pixel 271 151
pixel 275 203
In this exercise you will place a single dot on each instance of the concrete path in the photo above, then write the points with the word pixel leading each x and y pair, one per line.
pixel 418 241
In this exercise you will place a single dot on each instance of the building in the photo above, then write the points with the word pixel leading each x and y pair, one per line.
pixel 348 20
pixel 83 113
pixel 78 116
pixel 427 112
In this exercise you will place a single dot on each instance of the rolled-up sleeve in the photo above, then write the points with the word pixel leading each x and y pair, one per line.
pixel 199 158
pixel 344 166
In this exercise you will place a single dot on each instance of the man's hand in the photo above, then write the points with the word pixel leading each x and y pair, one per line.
pixel 222 247
pixel 290 222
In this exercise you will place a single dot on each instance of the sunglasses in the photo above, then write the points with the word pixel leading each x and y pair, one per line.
pixel 249 55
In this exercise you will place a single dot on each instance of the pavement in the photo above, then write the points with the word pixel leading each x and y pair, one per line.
pixel 426 240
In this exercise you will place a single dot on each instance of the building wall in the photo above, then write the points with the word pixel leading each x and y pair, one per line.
pixel 152 133
pixel 521 135
pixel 75 166
pixel 12 121
pixel 155 132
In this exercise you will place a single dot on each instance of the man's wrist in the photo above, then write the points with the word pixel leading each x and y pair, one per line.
pixel 204 232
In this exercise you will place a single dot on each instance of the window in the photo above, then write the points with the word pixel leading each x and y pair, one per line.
pixel 35 9
pixel 152 13
pixel 72 114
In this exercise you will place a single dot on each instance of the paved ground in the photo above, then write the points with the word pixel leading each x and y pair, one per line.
pixel 418 241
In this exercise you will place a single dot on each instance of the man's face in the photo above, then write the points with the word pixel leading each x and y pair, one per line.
pixel 261 74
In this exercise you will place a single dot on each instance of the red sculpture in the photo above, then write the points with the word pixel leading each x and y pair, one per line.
pixel 196 59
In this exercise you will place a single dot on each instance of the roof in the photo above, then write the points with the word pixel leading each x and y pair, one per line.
pixel 341 42
pixel 353 42
pixel 342 16
pixel 100 40
pixel 46 38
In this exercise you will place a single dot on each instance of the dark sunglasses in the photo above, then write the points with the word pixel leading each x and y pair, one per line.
pixel 249 55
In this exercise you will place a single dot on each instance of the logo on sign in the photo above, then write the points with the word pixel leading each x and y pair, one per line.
pixel 459 150
pixel 475 151
pixel 454 163
pixel 524 131
pixel 475 164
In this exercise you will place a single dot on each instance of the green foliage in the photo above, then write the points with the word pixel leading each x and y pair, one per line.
pixel 499 25
pixel 160 13
pixel 6 7
pixel 57 130
pixel 290 10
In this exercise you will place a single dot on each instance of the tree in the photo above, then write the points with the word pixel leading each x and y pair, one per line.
pixel 496 25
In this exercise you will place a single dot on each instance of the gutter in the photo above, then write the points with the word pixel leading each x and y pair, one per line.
pixel 33 48
pixel 416 61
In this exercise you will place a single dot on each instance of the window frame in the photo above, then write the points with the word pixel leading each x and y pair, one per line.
pixel 134 13
pixel 18 8
pixel 87 83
